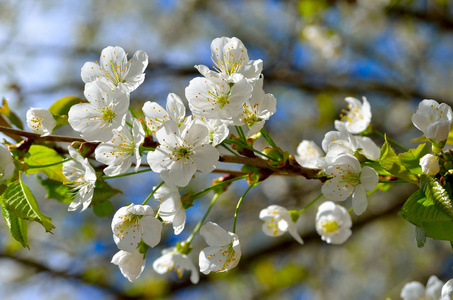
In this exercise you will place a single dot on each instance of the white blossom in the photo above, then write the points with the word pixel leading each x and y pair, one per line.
pixel 40 121
pixel 224 251
pixel 308 154
pixel 115 69
pixel 258 109
pixel 131 264
pixel 6 164
pixel 180 154
pixel 333 223
pixel 230 58
pixel 433 119
pixel 118 152
pixel 156 115
pixel 358 117
pixel 430 164
pixel 132 223
pixel 82 179
pixel 218 129
pixel 342 141
pixel 277 220
pixel 348 179
pixel 416 291
pixel 170 208
pixel 173 260
pixel 104 112
pixel 447 290
pixel 217 97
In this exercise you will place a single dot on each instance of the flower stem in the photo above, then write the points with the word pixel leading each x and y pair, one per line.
pixel 201 193
pixel 231 151
pixel 239 204
pixel 132 112
pixel 127 174
pixel 49 165
pixel 268 138
pixel 228 141
pixel 152 193
pixel 197 228
pixel 241 133
pixel 390 140
pixel 310 204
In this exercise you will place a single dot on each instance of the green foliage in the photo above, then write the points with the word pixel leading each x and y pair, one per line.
pixel 420 237
pixel 55 190
pixel 42 155
pixel 12 117
pixel 19 200
pixel 102 192
pixel 103 209
pixel 17 227
pixel 394 165
pixel 308 8
pixel 411 158
pixel 430 209
pixel 62 106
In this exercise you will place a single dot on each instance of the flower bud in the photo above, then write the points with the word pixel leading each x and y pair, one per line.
pixel 430 164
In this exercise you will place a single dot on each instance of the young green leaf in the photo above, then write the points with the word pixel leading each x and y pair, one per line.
pixel 42 155
pixel 411 158
pixel 62 106
pixel 56 190
pixel 391 163
pixel 422 212
pixel 420 237
pixel 103 209
pixel 19 200
pixel 17 226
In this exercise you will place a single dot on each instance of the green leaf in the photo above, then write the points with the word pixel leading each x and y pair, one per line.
pixel 41 155
pixel 435 193
pixel 411 158
pixel 420 237
pixel 390 162
pixel 102 192
pixel 17 226
pixel 103 209
pixel 19 200
pixel 422 212
pixel 62 106
pixel 56 190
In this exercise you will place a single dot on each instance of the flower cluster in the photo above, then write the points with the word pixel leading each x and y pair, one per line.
pixel 435 290
pixel 177 145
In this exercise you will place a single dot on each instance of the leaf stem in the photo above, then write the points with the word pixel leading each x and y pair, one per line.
pixel 197 228
pixel 132 112
pixel 126 174
pixel 201 193
pixel 229 150
pixel 152 193
pixel 239 204
pixel 391 141
pixel 49 165
pixel 268 138
pixel 310 204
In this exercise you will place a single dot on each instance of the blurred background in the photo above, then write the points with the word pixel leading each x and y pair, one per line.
pixel 315 53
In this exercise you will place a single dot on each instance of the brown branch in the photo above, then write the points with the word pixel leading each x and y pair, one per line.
pixel 289 170
pixel 41 268
pixel 35 136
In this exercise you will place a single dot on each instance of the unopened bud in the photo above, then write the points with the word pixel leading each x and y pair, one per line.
pixel 430 164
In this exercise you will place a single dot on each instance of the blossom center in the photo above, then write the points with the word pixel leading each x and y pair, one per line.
pixel 37 122
pixel 182 152
pixel 108 115
pixel 329 226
